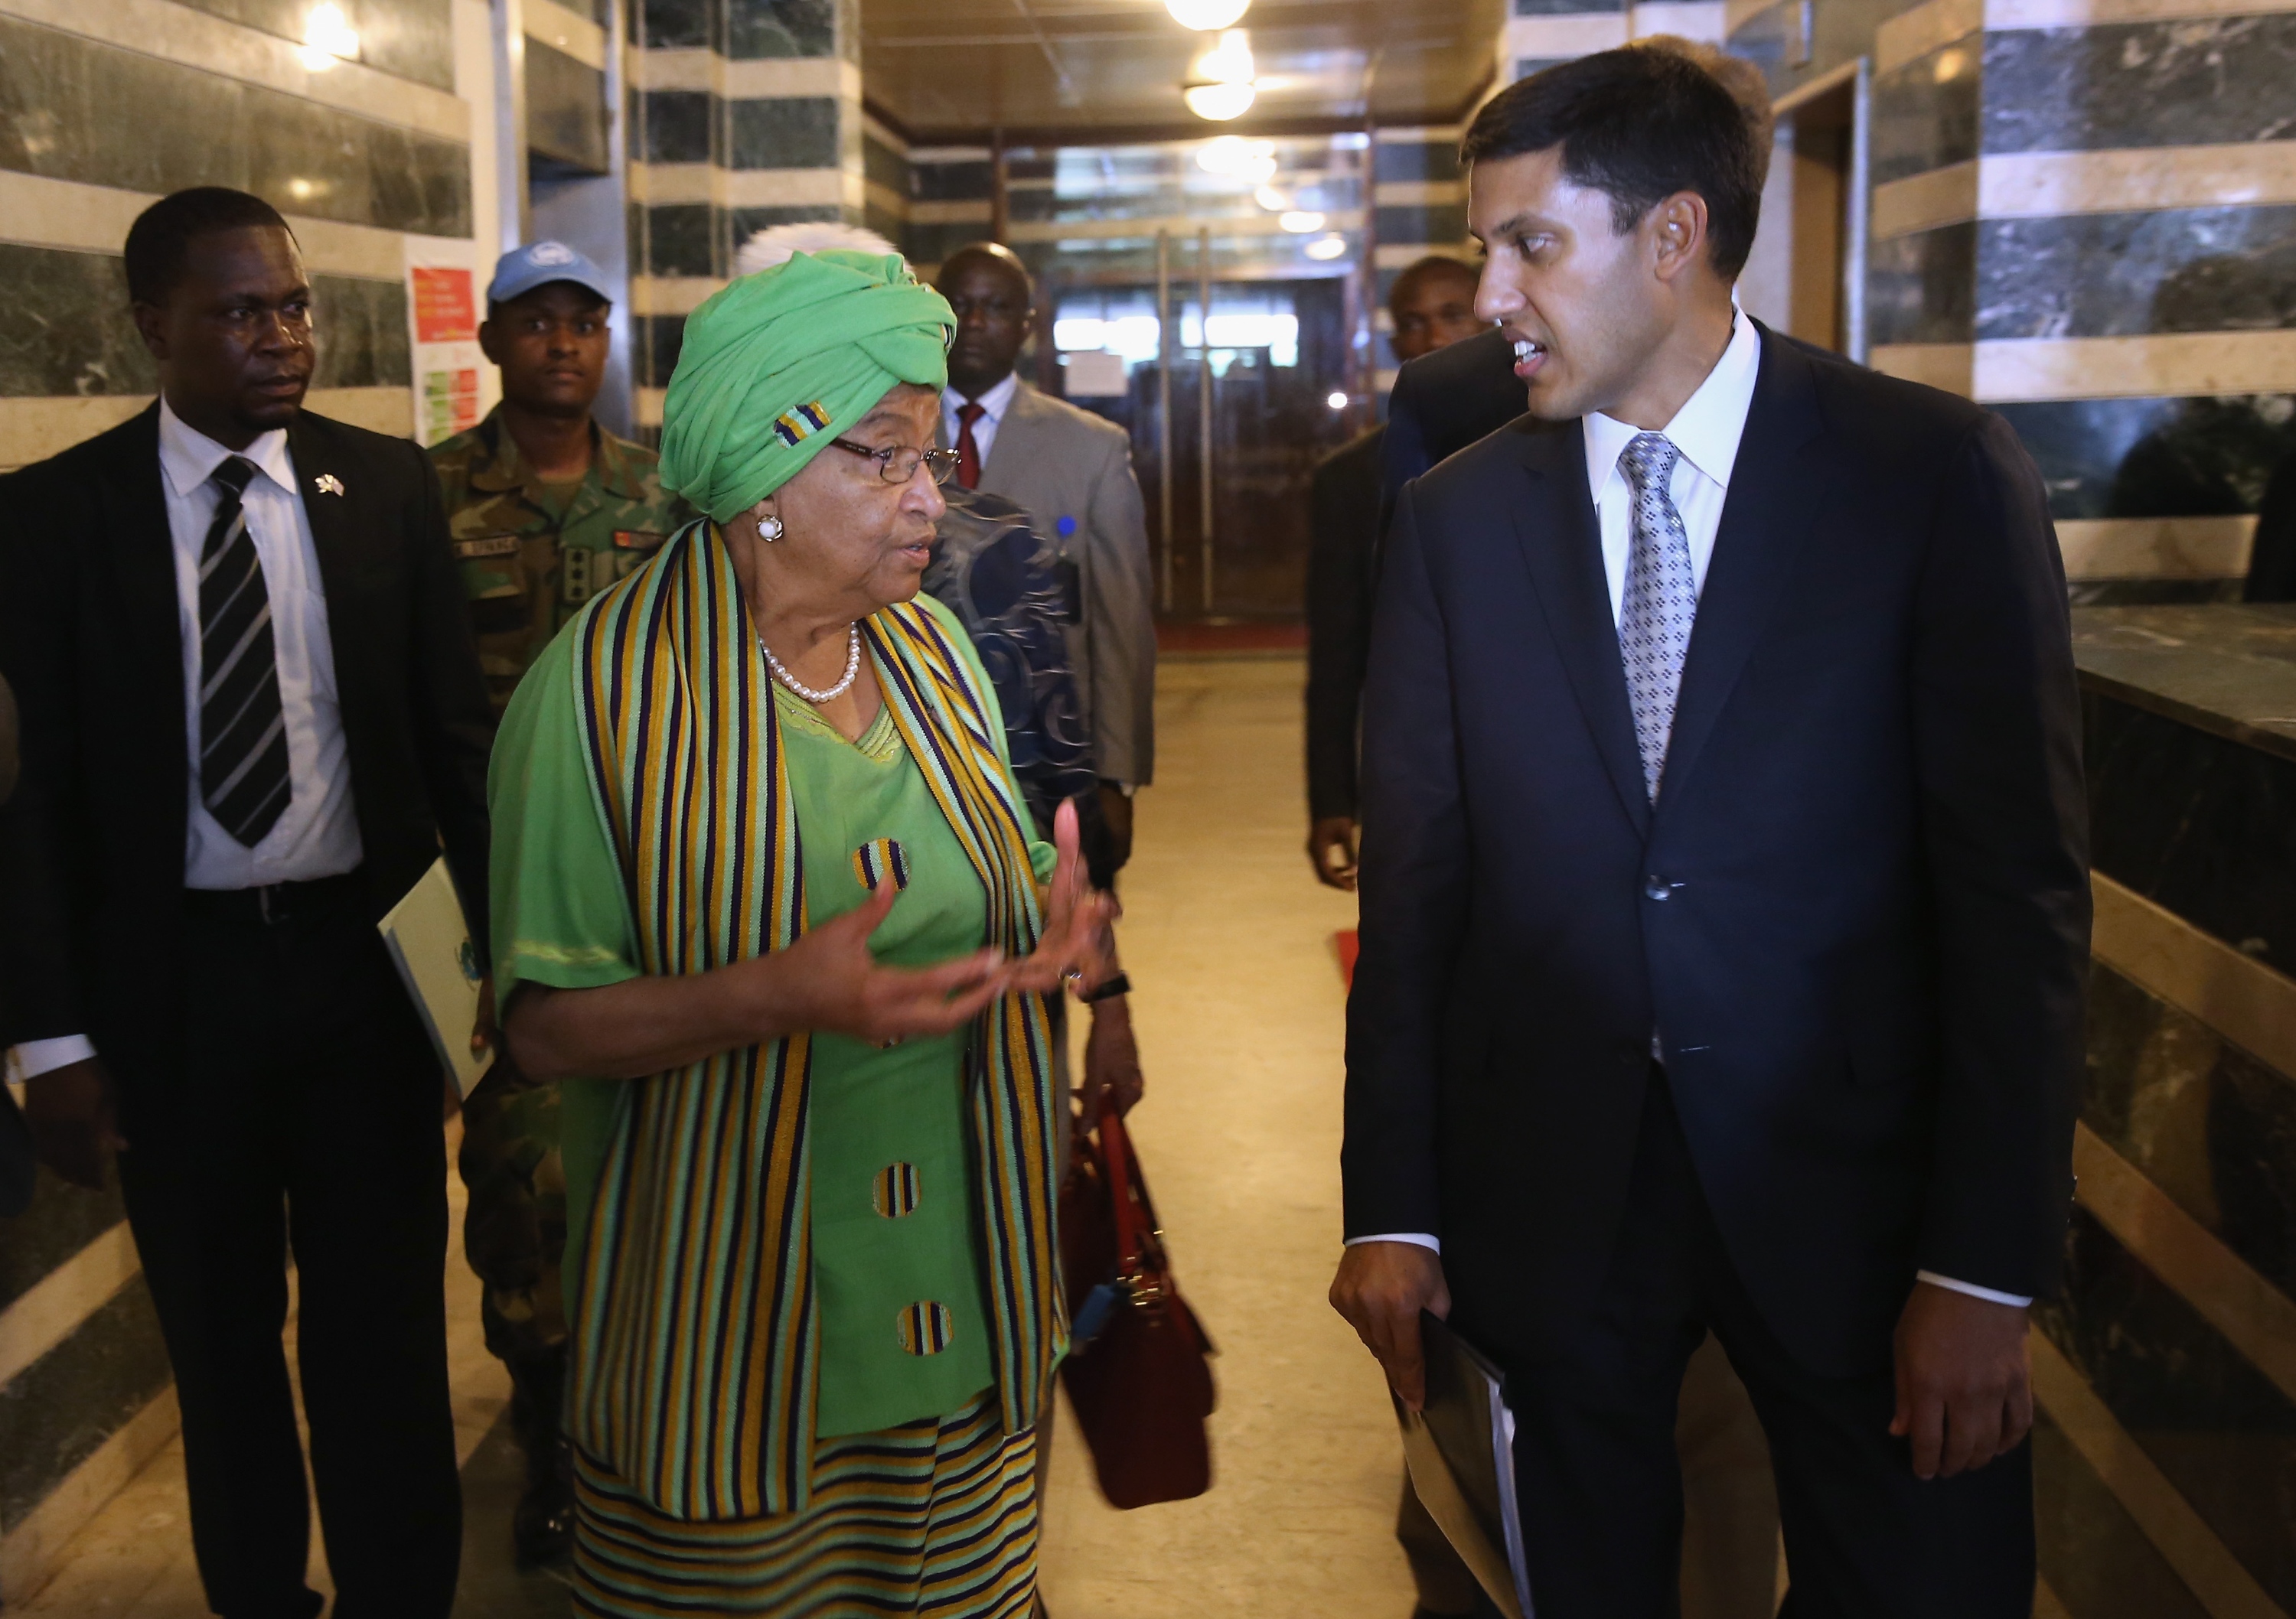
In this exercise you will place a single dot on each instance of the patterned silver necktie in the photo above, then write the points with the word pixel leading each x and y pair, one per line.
pixel 1661 598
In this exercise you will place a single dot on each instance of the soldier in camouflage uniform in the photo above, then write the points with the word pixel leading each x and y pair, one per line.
pixel 546 509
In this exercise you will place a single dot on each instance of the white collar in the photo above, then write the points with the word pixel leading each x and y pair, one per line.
pixel 1708 427
pixel 993 404
pixel 189 457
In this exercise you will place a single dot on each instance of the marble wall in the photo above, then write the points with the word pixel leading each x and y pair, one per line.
pixel 2087 218
pixel 105 105
pixel 745 114
pixel 2167 1454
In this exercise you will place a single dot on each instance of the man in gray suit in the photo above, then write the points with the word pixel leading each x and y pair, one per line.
pixel 1072 471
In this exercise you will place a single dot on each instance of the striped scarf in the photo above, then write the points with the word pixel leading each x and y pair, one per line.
pixel 696 1337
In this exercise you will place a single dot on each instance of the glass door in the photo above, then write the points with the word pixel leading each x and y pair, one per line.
pixel 1226 334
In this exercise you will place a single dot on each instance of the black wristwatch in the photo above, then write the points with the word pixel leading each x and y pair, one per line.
pixel 1117 986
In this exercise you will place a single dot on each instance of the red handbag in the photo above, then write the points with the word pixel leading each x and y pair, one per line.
pixel 1136 1372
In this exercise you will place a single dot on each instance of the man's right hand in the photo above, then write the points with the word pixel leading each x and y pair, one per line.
pixel 1331 846
pixel 75 1121
pixel 1381 1289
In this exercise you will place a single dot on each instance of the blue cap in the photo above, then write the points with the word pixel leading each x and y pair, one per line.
pixel 538 264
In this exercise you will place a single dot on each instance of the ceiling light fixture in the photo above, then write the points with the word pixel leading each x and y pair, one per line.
pixel 1228 62
pixel 1274 201
pixel 1206 15
pixel 1326 247
pixel 1220 86
pixel 1302 221
pixel 1217 104
pixel 328 38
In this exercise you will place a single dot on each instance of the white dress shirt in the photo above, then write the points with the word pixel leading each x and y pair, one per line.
pixel 317 834
pixel 1706 429
pixel 992 404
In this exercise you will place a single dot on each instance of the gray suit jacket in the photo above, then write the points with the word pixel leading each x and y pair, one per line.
pixel 1056 461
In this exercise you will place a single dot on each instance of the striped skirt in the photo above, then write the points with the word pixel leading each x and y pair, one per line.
pixel 935 1517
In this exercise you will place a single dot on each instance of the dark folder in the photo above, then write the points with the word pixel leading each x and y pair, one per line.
pixel 1461 1450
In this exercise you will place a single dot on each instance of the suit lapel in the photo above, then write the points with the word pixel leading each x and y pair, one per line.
pixel 336 495
pixel 1776 488
pixel 1562 545
pixel 140 549
pixel 134 503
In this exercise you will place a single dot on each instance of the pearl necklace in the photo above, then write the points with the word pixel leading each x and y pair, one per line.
pixel 852 667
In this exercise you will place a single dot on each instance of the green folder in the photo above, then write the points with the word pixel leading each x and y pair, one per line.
pixel 431 945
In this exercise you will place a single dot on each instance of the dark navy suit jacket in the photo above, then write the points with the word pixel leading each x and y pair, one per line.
pixel 1858 917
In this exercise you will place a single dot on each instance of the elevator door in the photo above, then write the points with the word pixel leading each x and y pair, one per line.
pixel 1268 376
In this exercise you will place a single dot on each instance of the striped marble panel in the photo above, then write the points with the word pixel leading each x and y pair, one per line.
pixel 33 427
pixel 2095 1560
pixel 2182 83
pixel 1424 159
pixel 410 38
pixel 208 41
pixel 65 328
pixel 2198 824
pixel 2044 184
pixel 2087 275
pixel 1925 114
pixel 304 156
pixel 2191 1438
pixel 2156 457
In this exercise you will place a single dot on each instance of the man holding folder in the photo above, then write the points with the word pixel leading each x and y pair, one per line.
pixel 1725 900
pixel 251 715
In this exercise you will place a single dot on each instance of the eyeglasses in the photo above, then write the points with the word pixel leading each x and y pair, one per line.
pixel 898 463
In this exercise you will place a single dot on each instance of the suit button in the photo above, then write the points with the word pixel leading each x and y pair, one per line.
pixel 1655 889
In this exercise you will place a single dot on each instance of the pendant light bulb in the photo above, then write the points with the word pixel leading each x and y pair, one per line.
pixel 1219 102
pixel 1204 15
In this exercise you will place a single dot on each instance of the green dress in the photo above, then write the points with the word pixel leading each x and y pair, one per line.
pixel 899 1271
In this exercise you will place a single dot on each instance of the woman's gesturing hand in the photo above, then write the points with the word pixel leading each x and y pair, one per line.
pixel 1076 944
pixel 836 982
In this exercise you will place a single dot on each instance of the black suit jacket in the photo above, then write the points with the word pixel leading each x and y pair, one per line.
pixel 1343 544
pixel 92 846
pixel 1445 401
pixel 1858 917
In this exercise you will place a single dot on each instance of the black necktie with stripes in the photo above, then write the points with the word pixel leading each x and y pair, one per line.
pixel 243 732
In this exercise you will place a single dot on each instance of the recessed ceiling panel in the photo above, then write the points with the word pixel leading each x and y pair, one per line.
pixel 959 68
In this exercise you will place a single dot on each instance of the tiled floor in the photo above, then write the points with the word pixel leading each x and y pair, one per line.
pixel 1229 940
pixel 1228 937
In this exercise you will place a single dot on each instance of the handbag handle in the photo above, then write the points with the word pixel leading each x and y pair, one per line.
pixel 1136 1250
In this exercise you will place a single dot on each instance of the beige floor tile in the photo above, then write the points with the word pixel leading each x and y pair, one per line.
pixel 1228 938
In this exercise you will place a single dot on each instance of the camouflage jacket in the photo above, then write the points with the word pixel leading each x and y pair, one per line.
pixel 525 571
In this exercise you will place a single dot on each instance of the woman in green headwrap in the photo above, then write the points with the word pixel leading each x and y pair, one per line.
pixel 767 906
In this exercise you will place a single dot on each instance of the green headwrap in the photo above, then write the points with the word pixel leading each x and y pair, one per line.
pixel 780 362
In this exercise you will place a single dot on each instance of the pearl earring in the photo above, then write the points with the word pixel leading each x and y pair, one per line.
pixel 769 526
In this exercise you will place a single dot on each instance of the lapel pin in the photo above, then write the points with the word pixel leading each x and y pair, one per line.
pixel 328 483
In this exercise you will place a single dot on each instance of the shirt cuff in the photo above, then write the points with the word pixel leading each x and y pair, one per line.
pixel 1972 1288
pixel 38 1056
pixel 1416 1238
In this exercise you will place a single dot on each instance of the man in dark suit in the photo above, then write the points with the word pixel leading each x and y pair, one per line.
pixel 251 714
pixel 1432 303
pixel 1725 897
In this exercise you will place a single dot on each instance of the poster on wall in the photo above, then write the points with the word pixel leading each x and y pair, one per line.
pixel 442 305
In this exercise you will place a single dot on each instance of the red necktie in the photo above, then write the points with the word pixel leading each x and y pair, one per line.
pixel 968 451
